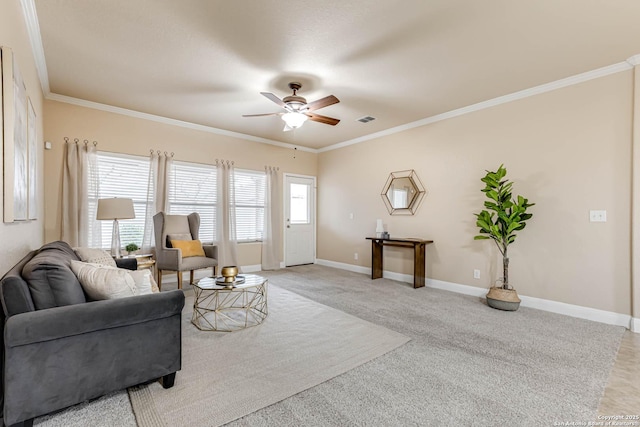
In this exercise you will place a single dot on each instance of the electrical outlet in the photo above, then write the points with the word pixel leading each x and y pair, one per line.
pixel 598 216
pixel 355 255
pixel 351 215
pixel 476 274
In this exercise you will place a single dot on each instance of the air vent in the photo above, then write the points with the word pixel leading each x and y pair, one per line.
pixel 366 119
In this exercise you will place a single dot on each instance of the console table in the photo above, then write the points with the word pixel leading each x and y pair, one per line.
pixel 419 269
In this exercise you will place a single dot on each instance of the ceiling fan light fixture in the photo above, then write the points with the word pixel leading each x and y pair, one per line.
pixel 294 120
pixel 298 110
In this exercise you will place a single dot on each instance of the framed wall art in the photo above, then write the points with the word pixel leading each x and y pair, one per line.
pixel 32 162
pixel 15 139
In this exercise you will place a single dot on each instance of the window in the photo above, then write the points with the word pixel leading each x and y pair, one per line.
pixel 192 188
pixel 299 204
pixel 119 175
pixel 250 190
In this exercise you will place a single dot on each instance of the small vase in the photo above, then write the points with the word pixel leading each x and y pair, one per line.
pixel 379 228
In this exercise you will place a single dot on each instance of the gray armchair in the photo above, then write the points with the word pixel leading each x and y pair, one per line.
pixel 180 227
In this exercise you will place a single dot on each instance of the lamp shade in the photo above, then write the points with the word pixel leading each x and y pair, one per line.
pixel 115 208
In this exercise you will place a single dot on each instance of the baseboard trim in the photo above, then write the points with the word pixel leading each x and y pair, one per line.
pixel 251 268
pixel 571 310
pixel 344 266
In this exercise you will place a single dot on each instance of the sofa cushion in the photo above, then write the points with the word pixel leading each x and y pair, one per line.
pixel 95 256
pixel 15 294
pixel 101 282
pixel 50 279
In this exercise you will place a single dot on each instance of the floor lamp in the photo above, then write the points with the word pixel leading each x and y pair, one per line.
pixel 115 209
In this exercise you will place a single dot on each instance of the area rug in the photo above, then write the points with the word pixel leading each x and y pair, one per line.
pixel 225 376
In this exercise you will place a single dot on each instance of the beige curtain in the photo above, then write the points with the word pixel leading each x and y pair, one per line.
pixel 226 214
pixel 272 237
pixel 160 172
pixel 80 174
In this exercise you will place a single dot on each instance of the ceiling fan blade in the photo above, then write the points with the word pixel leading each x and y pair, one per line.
pixel 274 98
pixel 258 115
pixel 323 102
pixel 323 119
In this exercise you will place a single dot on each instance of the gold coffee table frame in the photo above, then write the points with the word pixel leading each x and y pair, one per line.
pixel 227 309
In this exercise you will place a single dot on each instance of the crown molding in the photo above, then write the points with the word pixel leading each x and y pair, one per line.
pixel 536 90
pixel 35 38
pixel 172 122
pixel 33 29
pixel 634 60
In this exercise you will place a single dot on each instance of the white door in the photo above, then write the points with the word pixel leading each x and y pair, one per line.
pixel 300 222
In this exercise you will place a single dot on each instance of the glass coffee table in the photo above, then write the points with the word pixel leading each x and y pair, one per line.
pixel 227 307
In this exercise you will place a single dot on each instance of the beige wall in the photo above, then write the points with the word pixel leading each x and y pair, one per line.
pixel 20 237
pixel 124 134
pixel 567 150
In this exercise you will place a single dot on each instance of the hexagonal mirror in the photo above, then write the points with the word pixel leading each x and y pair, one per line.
pixel 403 192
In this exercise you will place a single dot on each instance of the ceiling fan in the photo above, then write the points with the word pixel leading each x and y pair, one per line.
pixel 298 110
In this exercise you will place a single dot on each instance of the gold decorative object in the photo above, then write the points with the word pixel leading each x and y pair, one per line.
pixel 229 273
pixel 403 192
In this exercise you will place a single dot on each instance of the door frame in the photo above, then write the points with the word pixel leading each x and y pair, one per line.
pixel 314 209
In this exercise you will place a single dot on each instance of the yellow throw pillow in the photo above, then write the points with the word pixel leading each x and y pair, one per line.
pixel 189 247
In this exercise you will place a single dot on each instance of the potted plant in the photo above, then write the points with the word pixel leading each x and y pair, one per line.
pixel 500 222
pixel 131 247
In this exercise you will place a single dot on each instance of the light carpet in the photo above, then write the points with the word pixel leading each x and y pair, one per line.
pixel 225 376
pixel 466 364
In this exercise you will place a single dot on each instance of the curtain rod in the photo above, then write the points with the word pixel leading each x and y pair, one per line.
pixel 77 140
pixel 172 155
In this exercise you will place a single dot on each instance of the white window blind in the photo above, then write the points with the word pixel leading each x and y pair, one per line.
pixel 120 176
pixel 250 191
pixel 193 189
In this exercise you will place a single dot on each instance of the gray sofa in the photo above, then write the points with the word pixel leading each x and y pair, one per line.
pixel 60 349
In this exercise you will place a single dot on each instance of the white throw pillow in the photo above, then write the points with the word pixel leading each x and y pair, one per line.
pixel 154 284
pixel 142 279
pixel 103 282
pixel 95 256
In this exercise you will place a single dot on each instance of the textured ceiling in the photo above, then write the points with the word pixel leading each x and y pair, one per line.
pixel 206 62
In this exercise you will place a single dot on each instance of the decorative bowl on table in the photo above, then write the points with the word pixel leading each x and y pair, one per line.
pixel 229 273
